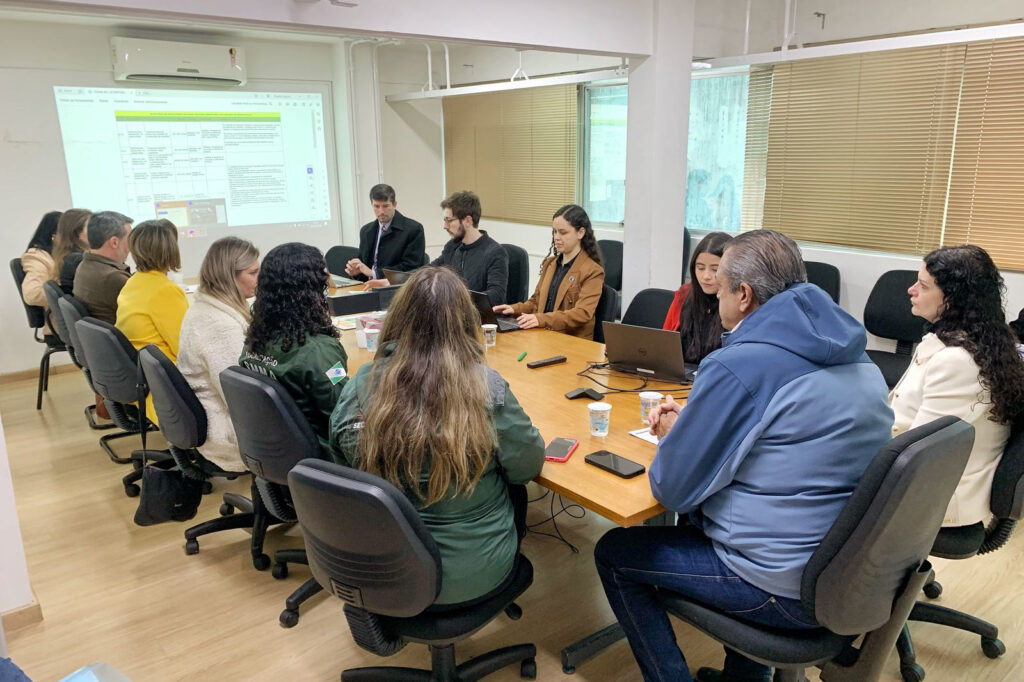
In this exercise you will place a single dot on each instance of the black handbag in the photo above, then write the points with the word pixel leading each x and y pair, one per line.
pixel 167 494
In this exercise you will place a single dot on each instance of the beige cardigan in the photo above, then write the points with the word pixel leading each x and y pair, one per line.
pixel 943 380
pixel 211 339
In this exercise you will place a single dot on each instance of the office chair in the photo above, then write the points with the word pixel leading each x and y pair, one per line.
pixel 826 276
pixel 183 423
pixel 37 321
pixel 383 563
pixel 648 308
pixel 611 255
pixel 518 274
pixel 605 311
pixel 963 542
pixel 338 256
pixel 887 314
pixel 73 312
pixel 273 436
pixel 866 573
pixel 114 368
pixel 53 294
pixel 686 255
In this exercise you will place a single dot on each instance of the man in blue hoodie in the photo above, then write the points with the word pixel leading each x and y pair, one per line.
pixel 779 426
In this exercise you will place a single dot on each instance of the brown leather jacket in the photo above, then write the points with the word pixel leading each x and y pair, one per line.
pixel 576 300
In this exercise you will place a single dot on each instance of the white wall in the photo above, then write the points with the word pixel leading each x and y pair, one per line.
pixel 14 587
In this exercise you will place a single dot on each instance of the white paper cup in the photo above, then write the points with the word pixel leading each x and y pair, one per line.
pixel 372 336
pixel 360 337
pixel 648 401
pixel 490 334
pixel 600 416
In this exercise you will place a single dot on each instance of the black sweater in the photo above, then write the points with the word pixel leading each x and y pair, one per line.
pixel 483 265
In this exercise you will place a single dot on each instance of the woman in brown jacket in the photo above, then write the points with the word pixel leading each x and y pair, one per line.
pixel 571 279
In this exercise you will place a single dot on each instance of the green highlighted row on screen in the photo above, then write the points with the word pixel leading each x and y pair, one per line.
pixel 199 116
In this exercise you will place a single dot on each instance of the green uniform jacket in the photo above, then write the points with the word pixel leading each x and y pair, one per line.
pixel 310 374
pixel 475 534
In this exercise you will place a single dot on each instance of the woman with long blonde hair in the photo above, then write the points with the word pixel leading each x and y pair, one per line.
pixel 212 336
pixel 69 245
pixel 429 416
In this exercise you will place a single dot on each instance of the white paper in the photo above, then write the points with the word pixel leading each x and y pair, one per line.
pixel 645 434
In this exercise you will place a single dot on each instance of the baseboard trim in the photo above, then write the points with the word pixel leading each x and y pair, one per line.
pixel 28 614
pixel 33 374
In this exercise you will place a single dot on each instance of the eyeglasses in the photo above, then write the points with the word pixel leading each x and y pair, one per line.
pixel 446 221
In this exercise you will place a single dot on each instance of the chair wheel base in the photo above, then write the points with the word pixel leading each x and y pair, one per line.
pixel 289 618
pixel 912 673
pixel 207 487
pixel 932 590
pixel 226 509
pixel 280 571
pixel 513 611
pixel 528 669
pixel 132 490
pixel 191 547
pixel 993 648
pixel 261 562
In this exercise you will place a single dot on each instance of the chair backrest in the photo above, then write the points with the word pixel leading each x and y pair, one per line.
pixel 611 254
pixel 72 310
pixel 273 434
pixel 112 361
pixel 887 312
pixel 518 273
pixel 648 308
pixel 36 315
pixel 338 256
pixel 605 312
pixel 686 254
pixel 182 417
pixel 365 541
pixel 53 294
pixel 826 276
pixel 887 527
pixel 1008 482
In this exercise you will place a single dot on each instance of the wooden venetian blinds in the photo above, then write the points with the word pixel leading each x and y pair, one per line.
pixel 516 149
pixel 986 189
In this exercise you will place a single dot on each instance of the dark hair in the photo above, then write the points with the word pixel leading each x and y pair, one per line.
pixel 104 225
pixel 42 238
pixel 578 218
pixel 699 322
pixel 464 204
pixel 154 246
pixel 973 319
pixel 290 304
pixel 767 261
pixel 382 192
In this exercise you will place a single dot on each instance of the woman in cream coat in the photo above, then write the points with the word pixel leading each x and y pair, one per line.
pixel 966 366
pixel 212 336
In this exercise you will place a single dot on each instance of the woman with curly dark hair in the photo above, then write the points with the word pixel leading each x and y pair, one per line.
pixel 966 366
pixel 291 336
pixel 571 279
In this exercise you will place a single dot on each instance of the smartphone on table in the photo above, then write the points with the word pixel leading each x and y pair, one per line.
pixel 615 464
pixel 559 449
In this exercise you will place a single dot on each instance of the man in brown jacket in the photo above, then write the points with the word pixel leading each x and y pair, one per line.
pixel 102 273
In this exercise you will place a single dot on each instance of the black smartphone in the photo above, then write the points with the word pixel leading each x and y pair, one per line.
pixel 610 462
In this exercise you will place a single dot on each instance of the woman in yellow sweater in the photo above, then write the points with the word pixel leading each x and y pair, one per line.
pixel 150 307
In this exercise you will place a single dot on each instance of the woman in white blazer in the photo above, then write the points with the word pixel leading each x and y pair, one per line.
pixel 212 337
pixel 966 366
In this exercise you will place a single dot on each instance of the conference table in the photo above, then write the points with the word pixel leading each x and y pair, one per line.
pixel 541 392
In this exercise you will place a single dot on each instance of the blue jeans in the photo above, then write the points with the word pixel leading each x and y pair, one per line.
pixel 634 562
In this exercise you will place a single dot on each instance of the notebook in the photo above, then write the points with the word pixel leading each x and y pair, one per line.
pixel 653 353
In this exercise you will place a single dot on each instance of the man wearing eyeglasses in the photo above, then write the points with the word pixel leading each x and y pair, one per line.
pixel 391 241
pixel 471 252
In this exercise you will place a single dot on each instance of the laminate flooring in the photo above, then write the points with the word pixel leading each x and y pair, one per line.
pixel 115 592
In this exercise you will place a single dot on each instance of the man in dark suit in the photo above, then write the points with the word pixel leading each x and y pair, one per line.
pixel 391 241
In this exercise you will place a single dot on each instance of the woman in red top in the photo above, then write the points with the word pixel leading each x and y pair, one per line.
pixel 694 310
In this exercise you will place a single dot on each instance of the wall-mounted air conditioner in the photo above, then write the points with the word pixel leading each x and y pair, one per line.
pixel 163 61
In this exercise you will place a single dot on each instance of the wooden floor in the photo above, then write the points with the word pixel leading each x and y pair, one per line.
pixel 112 591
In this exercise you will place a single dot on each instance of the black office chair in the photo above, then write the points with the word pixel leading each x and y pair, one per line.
pixel 37 321
pixel 686 254
pixel 611 255
pixel 648 308
pixel 383 563
pixel 826 276
pixel 887 314
pixel 518 273
pixel 183 423
pixel 605 311
pixel 114 369
pixel 273 436
pixel 53 294
pixel 963 542
pixel 866 573
pixel 338 256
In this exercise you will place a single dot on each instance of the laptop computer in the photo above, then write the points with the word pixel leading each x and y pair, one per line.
pixel 652 353
pixel 487 316
pixel 339 281
pixel 396 276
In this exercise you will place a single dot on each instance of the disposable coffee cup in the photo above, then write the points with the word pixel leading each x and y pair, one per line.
pixel 372 336
pixel 648 401
pixel 490 334
pixel 600 416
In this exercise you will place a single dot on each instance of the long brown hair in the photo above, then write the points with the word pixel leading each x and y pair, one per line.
pixel 429 403
pixel 225 258
pixel 68 238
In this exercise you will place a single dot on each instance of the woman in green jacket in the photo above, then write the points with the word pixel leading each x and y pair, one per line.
pixel 429 416
pixel 291 337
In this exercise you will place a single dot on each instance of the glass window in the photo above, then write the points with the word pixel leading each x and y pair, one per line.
pixel 604 163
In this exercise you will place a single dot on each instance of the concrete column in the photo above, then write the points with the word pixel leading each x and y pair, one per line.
pixel 656 132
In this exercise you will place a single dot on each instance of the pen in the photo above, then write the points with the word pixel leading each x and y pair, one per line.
pixel 521 356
